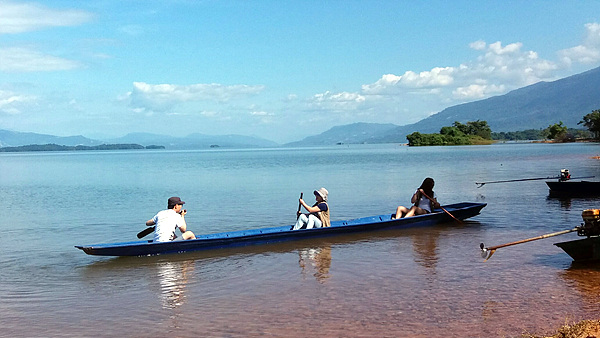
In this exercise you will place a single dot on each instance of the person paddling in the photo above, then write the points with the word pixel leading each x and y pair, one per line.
pixel 318 213
pixel 167 221
pixel 424 200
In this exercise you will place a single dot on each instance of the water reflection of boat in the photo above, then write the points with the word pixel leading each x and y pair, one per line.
pixel 283 233
pixel 316 260
pixel 584 278
pixel 172 277
pixel 425 247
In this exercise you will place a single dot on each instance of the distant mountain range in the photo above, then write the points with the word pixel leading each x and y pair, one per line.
pixel 196 141
pixel 193 141
pixel 351 133
pixel 533 107
pixel 14 139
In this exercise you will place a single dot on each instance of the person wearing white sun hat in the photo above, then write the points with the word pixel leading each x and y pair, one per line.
pixel 318 215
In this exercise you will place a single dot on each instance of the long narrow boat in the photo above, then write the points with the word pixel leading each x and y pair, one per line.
pixel 282 233
pixel 574 188
pixel 585 249
pixel 582 250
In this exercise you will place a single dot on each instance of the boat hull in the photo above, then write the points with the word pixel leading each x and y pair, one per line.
pixel 281 233
pixel 582 250
pixel 574 188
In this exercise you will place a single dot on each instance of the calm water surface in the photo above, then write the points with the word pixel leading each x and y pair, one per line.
pixel 397 283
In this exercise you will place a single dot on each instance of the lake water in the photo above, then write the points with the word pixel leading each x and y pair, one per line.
pixel 426 282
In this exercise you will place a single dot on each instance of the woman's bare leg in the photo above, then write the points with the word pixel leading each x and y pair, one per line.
pixel 401 210
pixel 414 210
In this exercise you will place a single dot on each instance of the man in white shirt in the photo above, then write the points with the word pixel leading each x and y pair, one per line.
pixel 167 221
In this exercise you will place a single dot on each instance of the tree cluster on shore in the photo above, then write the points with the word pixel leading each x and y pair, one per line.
pixel 474 132
pixel 541 134
pixel 58 147
pixel 478 132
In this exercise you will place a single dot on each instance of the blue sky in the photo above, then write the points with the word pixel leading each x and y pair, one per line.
pixel 281 70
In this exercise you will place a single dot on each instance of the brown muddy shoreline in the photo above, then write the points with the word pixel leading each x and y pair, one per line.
pixel 583 329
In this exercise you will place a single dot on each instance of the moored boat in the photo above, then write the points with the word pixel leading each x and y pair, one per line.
pixel 574 188
pixel 565 187
pixel 585 249
pixel 582 250
pixel 282 233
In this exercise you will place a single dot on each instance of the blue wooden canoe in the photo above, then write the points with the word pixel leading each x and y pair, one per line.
pixel 278 234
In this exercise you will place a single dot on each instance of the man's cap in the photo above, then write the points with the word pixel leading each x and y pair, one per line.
pixel 175 200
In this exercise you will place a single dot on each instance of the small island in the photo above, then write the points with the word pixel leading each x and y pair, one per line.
pixel 477 132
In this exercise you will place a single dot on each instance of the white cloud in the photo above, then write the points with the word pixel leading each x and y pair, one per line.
pixel 586 53
pixel 475 91
pixel 437 77
pixel 18 59
pixel 12 103
pixel 263 117
pixel 507 66
pixel 261 113
pixel 498 65
pixel 497 70
pixel 513 48
pixel 337 101
pixel 215 116
pixel 478 45
pixel 161 97
pixel 414 95
pixel 25 17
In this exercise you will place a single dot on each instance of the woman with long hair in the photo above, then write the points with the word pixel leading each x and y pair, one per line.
pixel 423 200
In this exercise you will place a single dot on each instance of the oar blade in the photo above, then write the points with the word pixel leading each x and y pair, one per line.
pixel 145 232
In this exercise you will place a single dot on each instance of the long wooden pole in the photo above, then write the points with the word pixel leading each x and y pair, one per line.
pixel 446 211
pixel 481 184
pixel 490 251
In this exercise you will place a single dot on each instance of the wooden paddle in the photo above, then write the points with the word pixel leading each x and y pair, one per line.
pixel 481 184
pixel 488 252
pixel 446 211
pixel 299 207
pixel 145 232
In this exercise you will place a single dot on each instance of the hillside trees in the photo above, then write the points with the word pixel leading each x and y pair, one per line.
pixel 528 134
pixel 557 132
pixel 592 122
pixel 477 128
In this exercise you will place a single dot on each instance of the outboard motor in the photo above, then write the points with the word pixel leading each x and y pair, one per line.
pixel 564 175
pixel 591 223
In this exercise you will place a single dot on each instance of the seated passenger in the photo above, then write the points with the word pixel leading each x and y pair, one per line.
pixel 169 220
pixel 424 200
pixel 318 215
